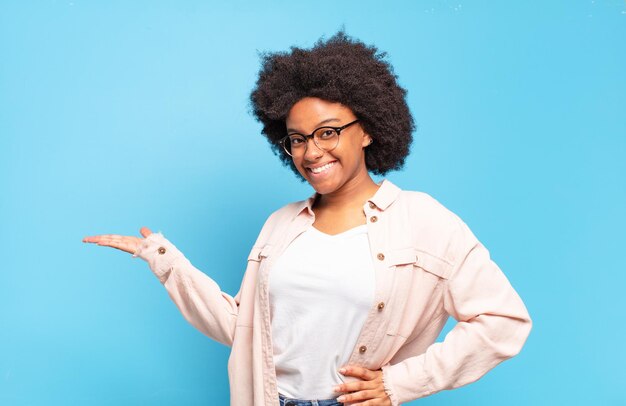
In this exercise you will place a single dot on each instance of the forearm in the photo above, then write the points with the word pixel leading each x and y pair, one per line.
pixel 197 296
pixel 493 325
pixel 468 352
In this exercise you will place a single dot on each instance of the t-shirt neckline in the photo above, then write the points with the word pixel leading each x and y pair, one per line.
pixel 351 231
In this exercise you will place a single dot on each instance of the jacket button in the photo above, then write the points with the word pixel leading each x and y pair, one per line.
pixel 362 349
pixel 380 256
pixel 381 306
pixel 372 205
pixel 161 250
pixel 373 219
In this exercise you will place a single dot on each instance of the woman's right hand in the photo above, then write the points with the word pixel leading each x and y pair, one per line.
pixel 128 244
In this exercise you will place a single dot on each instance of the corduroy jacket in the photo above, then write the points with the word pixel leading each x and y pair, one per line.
pixel 428 266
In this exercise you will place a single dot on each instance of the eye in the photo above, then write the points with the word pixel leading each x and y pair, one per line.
pixel 327 133
pixel 296 140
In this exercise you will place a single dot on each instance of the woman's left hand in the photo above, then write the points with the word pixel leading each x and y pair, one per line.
pixel 368 392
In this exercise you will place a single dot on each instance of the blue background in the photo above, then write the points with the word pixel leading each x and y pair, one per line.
pixel 117 115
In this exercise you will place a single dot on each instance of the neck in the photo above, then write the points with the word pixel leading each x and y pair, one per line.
pixel 352 194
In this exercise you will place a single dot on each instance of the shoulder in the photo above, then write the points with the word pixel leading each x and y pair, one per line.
pixel 286 212
pixel 431 224
pixel 423 206
pixel 278 221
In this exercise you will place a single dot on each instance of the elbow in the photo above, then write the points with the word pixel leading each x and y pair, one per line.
pixel 518 340
pixel 526 327
pixel 507 338
pixel 218 327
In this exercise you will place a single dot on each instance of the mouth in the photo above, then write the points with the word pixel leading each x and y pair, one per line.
pixel 321 170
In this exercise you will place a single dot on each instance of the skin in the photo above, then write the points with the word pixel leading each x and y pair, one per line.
pixel 343 191
pixel 339 207
pixel 126 243
pixel 348 185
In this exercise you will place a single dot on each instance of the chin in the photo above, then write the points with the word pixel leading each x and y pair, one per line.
pixel 324 188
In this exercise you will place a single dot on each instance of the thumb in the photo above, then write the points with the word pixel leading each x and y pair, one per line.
pixel 145 231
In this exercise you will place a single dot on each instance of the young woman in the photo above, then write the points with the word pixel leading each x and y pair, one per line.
pixel 345 292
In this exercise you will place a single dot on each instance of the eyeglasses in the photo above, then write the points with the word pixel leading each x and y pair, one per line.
pixel 325 138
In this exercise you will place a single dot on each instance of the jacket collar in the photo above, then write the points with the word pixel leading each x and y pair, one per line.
pixel 384 196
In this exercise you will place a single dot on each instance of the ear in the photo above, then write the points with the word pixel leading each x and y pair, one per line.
pixel 367 140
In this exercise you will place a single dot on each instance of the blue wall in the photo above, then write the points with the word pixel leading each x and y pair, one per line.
pixel 118 115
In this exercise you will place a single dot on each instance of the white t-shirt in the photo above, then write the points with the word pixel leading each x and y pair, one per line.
pixel 321 290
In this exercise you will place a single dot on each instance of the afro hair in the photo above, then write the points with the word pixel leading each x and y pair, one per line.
pixel 343 70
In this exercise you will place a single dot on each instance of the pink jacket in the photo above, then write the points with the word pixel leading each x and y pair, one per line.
pixel 428 265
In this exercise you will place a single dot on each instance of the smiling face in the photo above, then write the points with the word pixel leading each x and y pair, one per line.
pixel 329 171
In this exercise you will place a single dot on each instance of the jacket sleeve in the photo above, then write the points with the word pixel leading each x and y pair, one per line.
pixel 197 296
pixel 492 326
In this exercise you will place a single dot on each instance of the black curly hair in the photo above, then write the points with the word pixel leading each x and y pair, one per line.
pixel 344 70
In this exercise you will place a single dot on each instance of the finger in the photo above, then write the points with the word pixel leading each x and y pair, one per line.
pixel 369 402
pixel 97 238
pixel 360 395
pixel 359 372
pixel 93 238
pixel 120 244
pixel 354 386
pixel 377 401
pixel 108 238
pixel 145 231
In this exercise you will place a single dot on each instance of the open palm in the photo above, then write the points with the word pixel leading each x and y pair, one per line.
pixel 125 243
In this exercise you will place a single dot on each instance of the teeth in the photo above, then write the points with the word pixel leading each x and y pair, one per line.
pixel 322 168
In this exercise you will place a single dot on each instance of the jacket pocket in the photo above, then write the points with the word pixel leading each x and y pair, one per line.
pixel 402 256
pixel 433 264
pixel 417 294
pixel 421 259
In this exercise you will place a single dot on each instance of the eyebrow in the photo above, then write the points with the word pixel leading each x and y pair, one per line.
pixel 320 124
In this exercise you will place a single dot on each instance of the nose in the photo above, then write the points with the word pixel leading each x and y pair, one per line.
pixel 312 152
